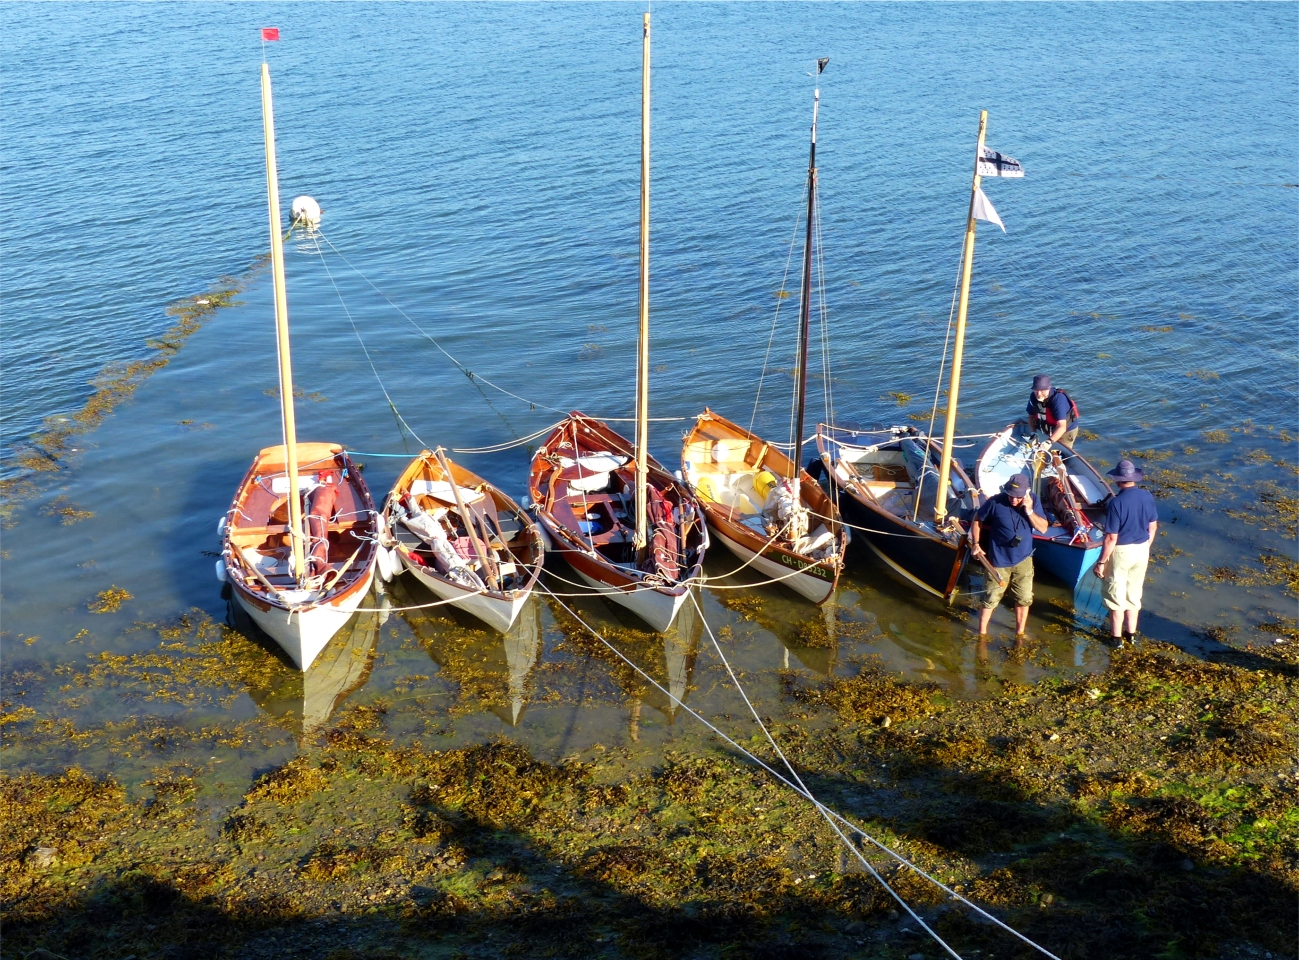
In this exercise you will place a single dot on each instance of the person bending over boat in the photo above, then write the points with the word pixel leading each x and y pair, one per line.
pixel 1051 411
pixel 1009 520
pixel 1131 520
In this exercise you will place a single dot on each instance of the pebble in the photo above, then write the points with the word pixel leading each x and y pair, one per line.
pixel 1187 865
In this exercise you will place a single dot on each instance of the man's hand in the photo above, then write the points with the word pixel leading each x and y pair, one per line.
pixel 1028 501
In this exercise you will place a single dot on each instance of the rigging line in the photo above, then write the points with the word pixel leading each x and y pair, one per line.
pixel 820 807
pixel 942 365
pixel 348 313
pixel 827 372
pixel 776 319
pixel 428 336
pixel 776 774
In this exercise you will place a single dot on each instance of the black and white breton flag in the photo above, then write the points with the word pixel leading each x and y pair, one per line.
pixel 994 164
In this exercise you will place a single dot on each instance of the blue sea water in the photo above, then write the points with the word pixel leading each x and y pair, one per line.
pixel 479 169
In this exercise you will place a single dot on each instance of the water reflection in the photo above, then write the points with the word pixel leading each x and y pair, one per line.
pixel 307 700
pixel 490 669
pixel 668 657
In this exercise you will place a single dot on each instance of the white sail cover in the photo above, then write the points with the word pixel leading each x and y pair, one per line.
pixel 994 164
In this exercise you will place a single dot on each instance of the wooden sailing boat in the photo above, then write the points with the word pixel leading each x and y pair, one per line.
pixel 300 537
pixel 914 517
pixel 464 539
pixel 1067 490
pixel 626 525
pixel 766 509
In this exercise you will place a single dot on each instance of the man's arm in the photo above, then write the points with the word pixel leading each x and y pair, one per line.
pixel 1111 541
pixel 1154 527
pixel 1036 521
pixel 1061 428
pixel 975 530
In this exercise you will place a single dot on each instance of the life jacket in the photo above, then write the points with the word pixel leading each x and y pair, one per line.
pixel 1043 407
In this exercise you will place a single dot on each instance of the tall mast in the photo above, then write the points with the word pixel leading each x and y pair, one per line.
pixel 282 330
pixel 642 356
pixel 958 350
pixel 805 306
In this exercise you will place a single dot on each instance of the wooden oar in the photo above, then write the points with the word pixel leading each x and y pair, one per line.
pixel 479 548
pixel 992 571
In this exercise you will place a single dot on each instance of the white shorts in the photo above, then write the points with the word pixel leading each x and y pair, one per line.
pixel 1126 576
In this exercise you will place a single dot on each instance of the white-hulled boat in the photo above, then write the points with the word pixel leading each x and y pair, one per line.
pixel 299 540
pixel 464 539
pixel 626 525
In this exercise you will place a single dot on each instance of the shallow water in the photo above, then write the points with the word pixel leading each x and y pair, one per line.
pixel 478 165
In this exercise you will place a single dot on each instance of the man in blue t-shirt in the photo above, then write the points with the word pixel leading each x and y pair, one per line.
pixel 1051 411
pixel 1131 522
pixel 1009 521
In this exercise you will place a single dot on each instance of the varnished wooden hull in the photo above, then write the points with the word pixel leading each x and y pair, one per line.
pixel 604 560
pixel 812 578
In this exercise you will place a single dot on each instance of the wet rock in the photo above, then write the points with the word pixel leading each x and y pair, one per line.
pixel 43 857
pixel 1187 865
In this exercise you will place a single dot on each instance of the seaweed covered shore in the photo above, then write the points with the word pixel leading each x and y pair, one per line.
pixel 1151 810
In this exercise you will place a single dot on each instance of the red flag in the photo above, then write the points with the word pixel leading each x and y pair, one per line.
pixel 270 33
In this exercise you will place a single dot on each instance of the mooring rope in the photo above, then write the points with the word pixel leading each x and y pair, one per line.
pixel 532 404
pixel 801 791
pixel 820 807
pixel 312 234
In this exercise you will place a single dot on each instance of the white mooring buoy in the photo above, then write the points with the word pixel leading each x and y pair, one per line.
pixel 305 210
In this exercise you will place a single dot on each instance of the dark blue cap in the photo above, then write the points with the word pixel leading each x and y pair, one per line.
pixel 1018 485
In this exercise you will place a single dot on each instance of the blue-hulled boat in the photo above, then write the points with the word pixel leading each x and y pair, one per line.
pixel 1068 490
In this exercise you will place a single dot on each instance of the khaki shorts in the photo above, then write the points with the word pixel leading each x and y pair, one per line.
pixel 1070 437
pixel 1125 576
pixel 1017 579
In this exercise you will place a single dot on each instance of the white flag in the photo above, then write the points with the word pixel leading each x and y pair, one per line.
pixel 994 164
pixel 984 210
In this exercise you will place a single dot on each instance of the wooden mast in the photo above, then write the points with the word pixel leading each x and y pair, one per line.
pixel 805 306
pixel 282 331
pixel 642 356
pixel 958 349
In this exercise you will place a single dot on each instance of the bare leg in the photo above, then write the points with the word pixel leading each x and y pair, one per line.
pixel 1116 624
pixel 985 615
pixel 1131 617
pixel 1021 620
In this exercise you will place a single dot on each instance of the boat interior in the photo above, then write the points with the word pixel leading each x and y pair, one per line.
pixel 593 496
pixel 511 550
pixel 893 474
pixel 1065 485
pixel 722 471
pixel 337 513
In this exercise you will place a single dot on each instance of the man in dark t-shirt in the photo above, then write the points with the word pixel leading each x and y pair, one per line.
pixel 1008 521
pixel 1051 411
pixel 1131 522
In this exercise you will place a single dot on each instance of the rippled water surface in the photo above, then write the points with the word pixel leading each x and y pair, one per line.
pixel 478 166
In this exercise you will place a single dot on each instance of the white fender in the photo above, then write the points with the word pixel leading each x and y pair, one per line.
pixel 383 558
pixel 221 526
pixel 221 570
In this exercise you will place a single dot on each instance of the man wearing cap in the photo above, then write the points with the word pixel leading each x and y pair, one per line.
pixel 1131 521
pixel 1009 521
pixel 1051 411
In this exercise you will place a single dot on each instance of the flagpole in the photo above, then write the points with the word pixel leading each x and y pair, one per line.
pixel 958 350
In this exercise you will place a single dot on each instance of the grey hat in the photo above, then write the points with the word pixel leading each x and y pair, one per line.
pixel 1041 382
pixel 1018 485
pixel 1126 472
